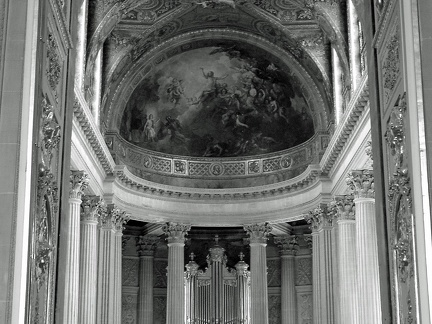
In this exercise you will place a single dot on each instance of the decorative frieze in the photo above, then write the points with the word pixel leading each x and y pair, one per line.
pixel 258 233
pixel 361 182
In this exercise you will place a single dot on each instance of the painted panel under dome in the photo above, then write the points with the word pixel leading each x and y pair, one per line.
pixel 219 101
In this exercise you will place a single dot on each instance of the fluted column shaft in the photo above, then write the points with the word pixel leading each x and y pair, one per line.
pixel 347 264
pixel 316 287
pixel 71 249
pixel 369 295
pixel 109 267
pixel 323 236
pixel 91 208
pixel 367 261
pixel 145 298
pixel 146 246
pixel 258 235
pixel 105 289
pixel 288 249
pixel 175 291
pixel 117 276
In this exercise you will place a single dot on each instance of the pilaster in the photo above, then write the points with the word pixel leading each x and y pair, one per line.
pixel 258 236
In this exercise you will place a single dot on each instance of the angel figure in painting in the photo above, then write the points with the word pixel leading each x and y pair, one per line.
pixel 175 90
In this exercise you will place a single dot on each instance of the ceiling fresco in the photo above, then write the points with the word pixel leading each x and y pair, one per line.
pixel 223 100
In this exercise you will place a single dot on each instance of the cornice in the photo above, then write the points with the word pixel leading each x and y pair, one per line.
pixel 346 126
pixel 125 178
pixel 86 121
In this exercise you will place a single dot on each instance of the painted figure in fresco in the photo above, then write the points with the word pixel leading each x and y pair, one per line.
pixel 173 128
pixel 174 91
pixel 149 131
pixel 214 85
pixel 208 3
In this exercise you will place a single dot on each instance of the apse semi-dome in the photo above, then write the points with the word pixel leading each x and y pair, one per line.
pixel 220 100
pixel 217 113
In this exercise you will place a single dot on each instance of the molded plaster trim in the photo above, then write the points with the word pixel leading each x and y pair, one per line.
pixel 85 119
pixel 349 120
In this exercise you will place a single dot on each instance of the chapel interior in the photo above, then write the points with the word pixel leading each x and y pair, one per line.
pixel 215 161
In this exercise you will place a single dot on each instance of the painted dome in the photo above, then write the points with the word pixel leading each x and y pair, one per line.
pixel 222 100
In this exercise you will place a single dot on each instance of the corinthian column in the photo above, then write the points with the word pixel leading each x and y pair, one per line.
pixel 146 247
pixel 175 291
pixel 91 208
pixel 70 245
pixel 109 266
pixel 258 236
pixel 322 258
pixel 288 246
pixel 119 218
pixel 347 264
pixel 369 296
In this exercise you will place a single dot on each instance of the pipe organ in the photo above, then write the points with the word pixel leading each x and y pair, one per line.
pixel 218 295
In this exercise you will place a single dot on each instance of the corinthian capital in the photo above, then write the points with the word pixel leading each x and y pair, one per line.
pixel 118 217
pixel 92 208
pixel 258 233
pixel 175 233
pixel 320 217
pixel 78 183
pixel 288 244
pixel 146 245
pixel 361 182
pixel 114 218
pixel 345 207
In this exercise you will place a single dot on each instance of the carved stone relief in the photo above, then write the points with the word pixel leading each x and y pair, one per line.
pixel 274 273
pixel 129 308
pixel 401 217
pixel 44 226
pixel 274 309
pixel 159 316
pixel 391 65
pixel 304 301
pixel 160 273
pixel 303 271
pixel 54 61
pixel 130 268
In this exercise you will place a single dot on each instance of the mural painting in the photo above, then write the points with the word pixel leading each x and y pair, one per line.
pixel 221 101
